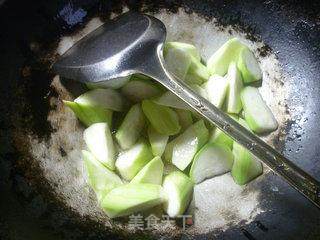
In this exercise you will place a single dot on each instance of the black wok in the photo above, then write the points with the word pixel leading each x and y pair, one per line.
pixel 31 206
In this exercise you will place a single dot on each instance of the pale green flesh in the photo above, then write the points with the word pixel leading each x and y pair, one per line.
pixel 168 151
pixel 131 198
pixel 131 161
pixel 212 160
pixel 188 48
pixel 139 89
pixel 183 148
pixel 216 89
pixel 249 66
pixel 157 141
pixel 219 62
pixel 246 166
pixel 89 115
pixel 131 127
pixel 234 104
pixel 169 99
pixel 257 114
pixel 218 136
pixel 177 62
pixel 115 83
pixel 151 173
pixel 101 179
pixel 99 141
pixel 178 189
pixel 185 118
pixel 104 98
pixel 163 119
pixel 197 73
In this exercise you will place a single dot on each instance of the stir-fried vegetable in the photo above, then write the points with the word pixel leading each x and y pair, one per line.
pixel 178 189
pixel 99 141
pixel 159 124
pixel 151 173
pixel 131 127
pixel 212 160
pixel 246 166
pixel 131 198
pixel 100 178
pixel 182 149
pixel 131 161
pixel 257 114
pixel 163 119
pixel 157 141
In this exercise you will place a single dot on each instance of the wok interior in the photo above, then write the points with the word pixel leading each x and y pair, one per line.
pixel 219 202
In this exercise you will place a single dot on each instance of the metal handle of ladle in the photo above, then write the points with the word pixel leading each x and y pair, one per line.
pixel 295 176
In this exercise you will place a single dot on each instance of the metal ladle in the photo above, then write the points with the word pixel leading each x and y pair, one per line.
pixel 132 43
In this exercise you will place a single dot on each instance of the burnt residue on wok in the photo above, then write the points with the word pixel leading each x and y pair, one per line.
pixel 29 37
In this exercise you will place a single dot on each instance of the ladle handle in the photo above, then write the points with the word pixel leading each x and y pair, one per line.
pixel 295 176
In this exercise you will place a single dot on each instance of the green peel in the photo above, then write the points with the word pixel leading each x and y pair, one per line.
pixel 178 189
pixel 151 173
pixel 100 178
pixel 163 119
pixel 131 127
pixel 132 198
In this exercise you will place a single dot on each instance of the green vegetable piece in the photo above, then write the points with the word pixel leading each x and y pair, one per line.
pixel 131 161
pixel 188 48
pixel 178 189
pixel 185 118
pixel 234 104
pixel 246 166
pixel 216 89
pixel 177 62
pixel 139 89
pixel 114 83
pixel 101 179
pixel 169 99
pixel 219 62
pixel 218 136
pixel 157 141
pixel 163 119
pixel 96 106
pixel 182 149
pixel 89 115
pixel 107 99
pixel 257 114
pixel 150 173
pixel 99 141
pixel 249 66
pixel 131 127
pixel 131 198
pixel 212 160
pixel 197 73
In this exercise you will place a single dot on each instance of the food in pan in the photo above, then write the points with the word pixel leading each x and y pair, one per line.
pixel 135 128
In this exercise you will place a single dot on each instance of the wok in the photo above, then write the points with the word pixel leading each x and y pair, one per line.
pixel 43 190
